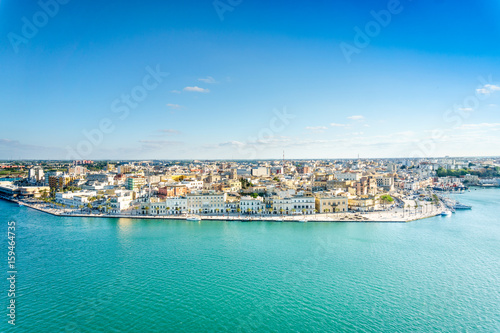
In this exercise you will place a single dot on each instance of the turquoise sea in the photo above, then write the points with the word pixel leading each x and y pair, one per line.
pixel 122 275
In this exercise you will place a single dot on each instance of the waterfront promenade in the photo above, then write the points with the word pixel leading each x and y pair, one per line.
pixel 396 214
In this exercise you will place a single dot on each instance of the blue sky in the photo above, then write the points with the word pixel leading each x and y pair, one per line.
pixel 249 79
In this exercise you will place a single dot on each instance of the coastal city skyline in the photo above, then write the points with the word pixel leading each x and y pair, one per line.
pixel 219 81
pixel 250 166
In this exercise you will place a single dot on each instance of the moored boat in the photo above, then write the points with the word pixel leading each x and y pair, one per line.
pixel 446 213
pixel 193 218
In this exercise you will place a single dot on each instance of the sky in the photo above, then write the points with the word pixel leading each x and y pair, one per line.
pixel 239 79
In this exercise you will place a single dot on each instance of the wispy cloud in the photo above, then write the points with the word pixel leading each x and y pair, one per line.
pixel 487 89
pixel 317 129
pixel 337 125
pixel 356 117
pixel 208 79
pixel 14 148
pixel 169 131
pixel 196 89
pixel 466 109
pixel 157 144
pixel 478 126
pixel 174 106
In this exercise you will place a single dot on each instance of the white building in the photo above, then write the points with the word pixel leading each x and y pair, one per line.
pixel 36 174
pixel 100 177
pixel 251 205
pixel 121 201
pixel 340 175
pixel 171 206
pixel 193 185
pixel 386 182
pixel 292 205
pixel 75 199
pixel 206 203
pixel 260 172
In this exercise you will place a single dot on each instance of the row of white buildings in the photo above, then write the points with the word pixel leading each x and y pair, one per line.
pixel 218 203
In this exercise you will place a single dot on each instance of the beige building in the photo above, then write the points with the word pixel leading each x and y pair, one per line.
pixel 364 204
pixel 331 204
pixel 206 203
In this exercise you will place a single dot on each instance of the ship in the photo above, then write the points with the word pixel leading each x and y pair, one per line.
pixel 446 213
pixel 193 218
pixel 461 206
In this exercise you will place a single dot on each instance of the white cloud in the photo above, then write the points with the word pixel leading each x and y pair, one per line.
pixel 356 117
pixel 318 129
pixel 208 79
pixel 196 89
pixel 488 89
pixel 492 87
pixel 169 131
pixel 337 125
pixel 466 109
pixel 478 126
pixel 174 106
pixel 158 144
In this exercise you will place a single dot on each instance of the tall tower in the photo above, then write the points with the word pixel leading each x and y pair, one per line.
pixel 283 162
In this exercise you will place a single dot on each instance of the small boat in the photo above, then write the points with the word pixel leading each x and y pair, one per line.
pixel 20 203
pixel 193 218
pixel 461 206
pixel 303 221
pixel 446 213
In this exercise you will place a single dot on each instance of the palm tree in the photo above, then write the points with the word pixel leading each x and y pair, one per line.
pixel 337 209
pixel 304 211
pixel 146 208
pixel 89 206
pixel 260 211
pixel 248 211
pixel 238 210
pixel 168 210
pixel 281 211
